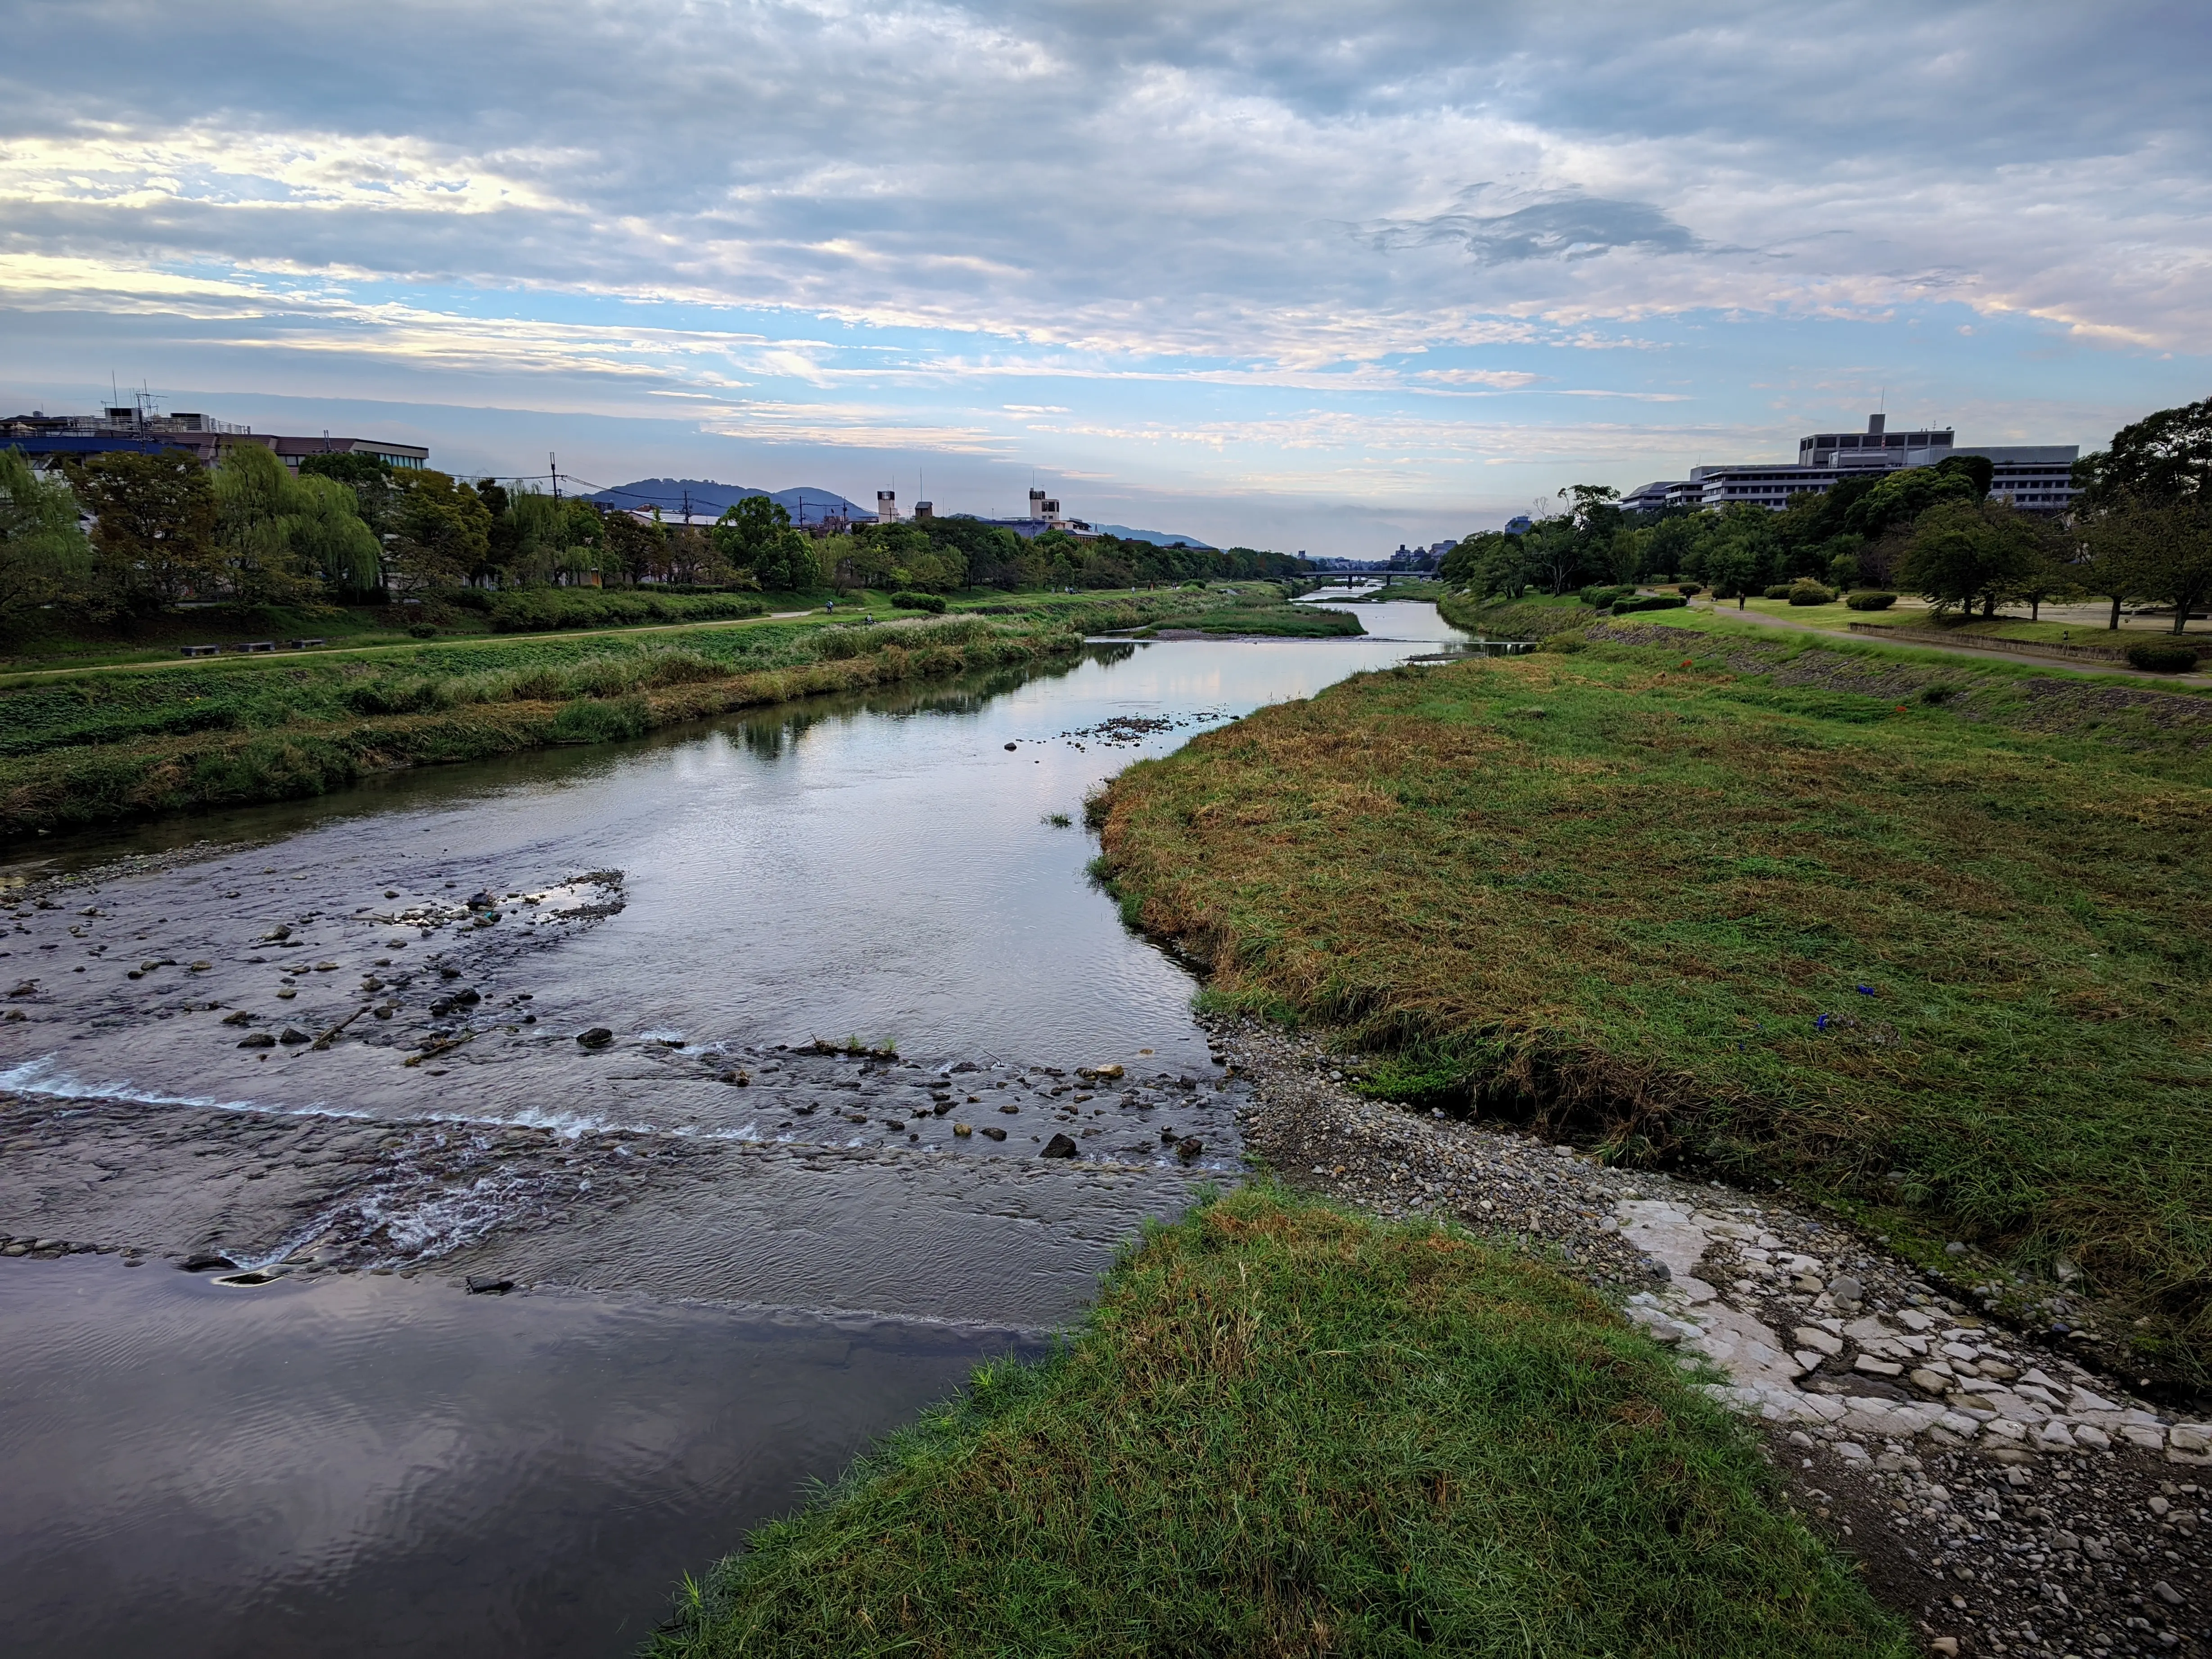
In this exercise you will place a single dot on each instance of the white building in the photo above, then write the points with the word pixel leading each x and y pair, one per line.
pixel 2035 477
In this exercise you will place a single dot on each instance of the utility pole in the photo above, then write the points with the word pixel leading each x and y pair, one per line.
pixel 554 465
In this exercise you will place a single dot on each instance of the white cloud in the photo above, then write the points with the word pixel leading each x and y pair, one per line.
pixel 1210 229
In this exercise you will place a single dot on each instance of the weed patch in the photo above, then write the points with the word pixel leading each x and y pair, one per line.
pixel 1770 908
pixel 1287 1431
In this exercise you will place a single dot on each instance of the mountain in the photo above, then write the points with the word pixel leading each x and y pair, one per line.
pixel 1157 537
pixel 707 498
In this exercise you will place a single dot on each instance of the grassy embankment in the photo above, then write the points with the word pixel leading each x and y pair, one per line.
pixel 1284 1429
pixel 1265 619
pixel 45 640
pixel 88 748
pixel 1924 938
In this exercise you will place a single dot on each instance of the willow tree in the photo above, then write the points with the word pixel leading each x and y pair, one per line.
pixel 44 557
pixel 282 538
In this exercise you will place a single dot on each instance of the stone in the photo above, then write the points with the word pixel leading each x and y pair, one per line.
pixel 995 1134
pixel 257 1040
pixel 485 1285
pixel 1845 1288
pixel 1807 1337
pixel 962 1131
pixel 1874 1367
pixel 203 1262
pixel 2189 1437
pixel 2167 1592
pixel 1947 1645
pixel 598 1037
pixel 293 1034
pixel 1930 1383
pixel 1955 1247
pixel 1058 1147
pixel 1189 1148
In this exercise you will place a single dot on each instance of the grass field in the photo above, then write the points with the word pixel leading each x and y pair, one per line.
pixel 1286 1430
pixel 1925 938
pixel 86 748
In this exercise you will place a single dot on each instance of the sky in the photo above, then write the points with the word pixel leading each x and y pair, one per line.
pixel 1320 278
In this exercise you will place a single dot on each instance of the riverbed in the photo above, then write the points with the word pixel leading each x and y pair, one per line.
pixel 873 1081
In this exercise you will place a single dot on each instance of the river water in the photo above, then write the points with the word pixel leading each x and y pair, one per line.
pixel 740 1259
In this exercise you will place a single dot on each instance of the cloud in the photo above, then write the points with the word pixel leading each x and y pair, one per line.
pixel 922 217
pixel 1564 225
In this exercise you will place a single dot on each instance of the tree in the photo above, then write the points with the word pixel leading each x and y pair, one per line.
pixel 373 496
pixel 634 547
pixel 2166 456
pixel 440 530
pixel 754 535
pixel 1899 498
pixel 1491 563
pixel 1554 552
pixel 1739 552
pixel 154 541
pixel 2159 550
pixel 1963 553
pixel 45 558
pixel 1734 566
pixel 263 515
pixel 1669 545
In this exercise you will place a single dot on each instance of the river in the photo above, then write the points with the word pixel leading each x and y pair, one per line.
pixel 850 972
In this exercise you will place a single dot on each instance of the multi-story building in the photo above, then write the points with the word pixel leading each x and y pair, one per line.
pixel 2035 477
pixel 47 438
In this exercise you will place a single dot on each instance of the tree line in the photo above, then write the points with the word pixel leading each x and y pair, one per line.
pixel 2140 531
pixel 130 534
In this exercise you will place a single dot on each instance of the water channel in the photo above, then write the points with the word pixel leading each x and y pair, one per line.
pixel 741 1259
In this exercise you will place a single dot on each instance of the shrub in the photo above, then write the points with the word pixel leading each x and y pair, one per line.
pixel 933 603
pixel 1650 602
pixel 1691 590
pixel 2163 657
pixel 422 631
pixel 1780 590
pixel 1871 601
pixel 1810 593
pixel 1602 597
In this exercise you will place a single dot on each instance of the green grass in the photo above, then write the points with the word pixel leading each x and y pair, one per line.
pixel 1286 1430
pixel 1534 618
pixel 1273 620
pixel 1635 891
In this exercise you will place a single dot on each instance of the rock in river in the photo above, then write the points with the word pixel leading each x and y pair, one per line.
pixel 1058 1147
pixel 598 1037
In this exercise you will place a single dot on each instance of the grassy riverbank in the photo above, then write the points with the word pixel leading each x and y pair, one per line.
pixel 1532 619
pixel 1288 1431
pixel 91 747
pixel 1926 938
pixel 1260 621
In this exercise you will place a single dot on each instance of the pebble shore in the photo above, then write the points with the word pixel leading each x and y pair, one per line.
pixel 2003 1496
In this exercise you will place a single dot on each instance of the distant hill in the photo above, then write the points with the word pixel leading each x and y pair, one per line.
pixel 1157 537
pixel 707 500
